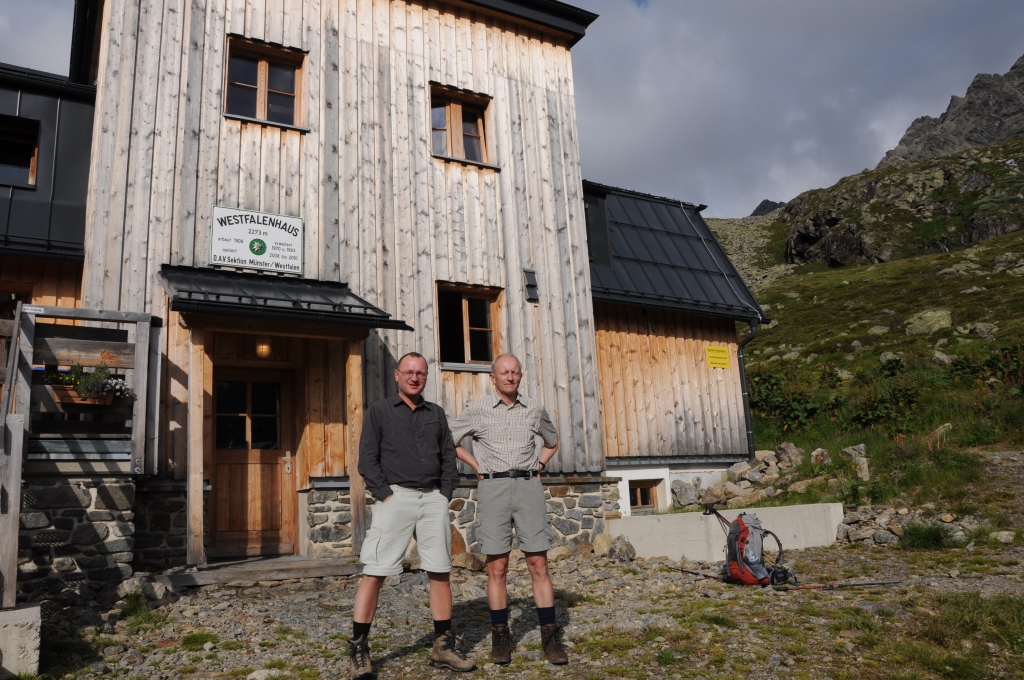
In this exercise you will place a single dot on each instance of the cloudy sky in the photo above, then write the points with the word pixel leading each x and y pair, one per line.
pixel 725 102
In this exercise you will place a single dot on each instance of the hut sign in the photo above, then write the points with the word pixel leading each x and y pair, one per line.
pixel 717 357
pixel 256 240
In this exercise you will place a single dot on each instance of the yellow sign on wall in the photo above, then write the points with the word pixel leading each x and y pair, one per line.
pixel 717 357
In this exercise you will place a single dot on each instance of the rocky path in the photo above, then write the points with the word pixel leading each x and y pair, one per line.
pixel 639 620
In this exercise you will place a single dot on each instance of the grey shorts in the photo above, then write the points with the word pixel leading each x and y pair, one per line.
pixel 408 511
pixel 504 502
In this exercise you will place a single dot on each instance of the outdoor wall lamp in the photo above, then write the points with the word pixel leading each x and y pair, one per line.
pixel 263 346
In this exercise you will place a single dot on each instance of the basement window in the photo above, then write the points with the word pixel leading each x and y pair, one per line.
pixel 643 494
pixel 263 82
pixel 465 321
pixel 457 125
pixel 19 151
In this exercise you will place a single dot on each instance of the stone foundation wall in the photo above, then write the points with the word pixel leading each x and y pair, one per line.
pixel 329 520
pixel 161 521
pixel 577 513
pixel 76 537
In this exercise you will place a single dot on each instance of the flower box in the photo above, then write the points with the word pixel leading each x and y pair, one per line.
pixel 66 395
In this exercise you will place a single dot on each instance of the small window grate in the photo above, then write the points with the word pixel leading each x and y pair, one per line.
pixel 531 285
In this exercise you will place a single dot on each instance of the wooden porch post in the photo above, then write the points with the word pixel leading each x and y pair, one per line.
pixel 10 505
pixel 200 373
pixel 354 404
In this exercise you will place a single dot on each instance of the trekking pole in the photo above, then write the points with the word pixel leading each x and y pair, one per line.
pixel 698 573
pixel 838 586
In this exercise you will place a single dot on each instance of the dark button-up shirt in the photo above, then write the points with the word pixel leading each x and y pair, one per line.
pixel 408 447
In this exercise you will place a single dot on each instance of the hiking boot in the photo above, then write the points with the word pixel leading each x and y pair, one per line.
pixel 446 655
pixel 551 638
pixel 501 644
pixel 361 668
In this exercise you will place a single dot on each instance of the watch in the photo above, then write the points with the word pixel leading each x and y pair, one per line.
pixel 543 466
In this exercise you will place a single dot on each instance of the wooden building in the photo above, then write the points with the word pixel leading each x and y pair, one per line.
pixel 666 303
pixel 285 196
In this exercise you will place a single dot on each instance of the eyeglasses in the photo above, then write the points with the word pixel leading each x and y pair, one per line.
pixel 409 375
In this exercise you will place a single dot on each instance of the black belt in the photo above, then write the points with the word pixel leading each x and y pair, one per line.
pixel 510 474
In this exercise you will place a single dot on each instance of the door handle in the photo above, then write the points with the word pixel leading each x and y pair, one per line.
pixel 287 462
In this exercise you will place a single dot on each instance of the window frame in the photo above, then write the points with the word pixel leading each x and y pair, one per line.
pixel 455 100
pixel 494 298
pixel 33 168
pixel 265 55
pixel 636 485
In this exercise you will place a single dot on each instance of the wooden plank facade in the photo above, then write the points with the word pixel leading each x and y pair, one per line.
pixel 660 397
pixel 381 213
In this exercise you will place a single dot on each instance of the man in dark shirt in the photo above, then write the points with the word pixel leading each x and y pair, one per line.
pixel 407 458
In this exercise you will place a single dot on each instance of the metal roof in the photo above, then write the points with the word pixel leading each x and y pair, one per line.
pixel 551 13
pixel 662 255
pixel 214 291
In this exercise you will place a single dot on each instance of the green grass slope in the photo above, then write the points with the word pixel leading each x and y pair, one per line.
pixel 817 375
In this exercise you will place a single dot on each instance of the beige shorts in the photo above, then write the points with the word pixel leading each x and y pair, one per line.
pixel 504 502
pixel 408 512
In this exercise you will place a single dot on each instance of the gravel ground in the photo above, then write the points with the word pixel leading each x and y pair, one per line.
pixel 645 619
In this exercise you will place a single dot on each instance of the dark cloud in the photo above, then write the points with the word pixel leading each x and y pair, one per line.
pixel 727 102
pixel 36 34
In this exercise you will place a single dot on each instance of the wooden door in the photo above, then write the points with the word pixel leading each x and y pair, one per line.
pixel 253 501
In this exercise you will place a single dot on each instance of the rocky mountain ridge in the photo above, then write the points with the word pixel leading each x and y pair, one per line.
pixel 992 110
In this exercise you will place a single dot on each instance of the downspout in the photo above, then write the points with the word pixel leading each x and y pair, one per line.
pixel 755 324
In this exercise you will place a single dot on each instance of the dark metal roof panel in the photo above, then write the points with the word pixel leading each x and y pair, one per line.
pixel 664 256
pixel 213 291
pixel 550 13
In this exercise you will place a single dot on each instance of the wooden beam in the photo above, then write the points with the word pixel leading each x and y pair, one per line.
pixel 195 553
pixel 10 506
pixel 354 408
pixel 294 329
pixel 86 352
pixel 154 370
pixel 141 389
pixel 83 314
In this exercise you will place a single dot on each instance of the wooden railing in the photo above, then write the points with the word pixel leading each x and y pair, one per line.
pixel 41 425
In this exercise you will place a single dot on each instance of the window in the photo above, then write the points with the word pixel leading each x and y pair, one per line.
pixel 263 83
pixel 531 285
pixel 643 494
pixel 19 151
pixel 457 124
pixel 248 412
pixel 465 320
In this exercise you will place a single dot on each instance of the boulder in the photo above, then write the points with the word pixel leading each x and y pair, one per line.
pixel 820 457
pixel 889 356
pixel 715 494
pixel 789 453
pixel 621 549
pixel 927 322
pixel 747 500
pixel 802 485
pixel 858 451
pixel 861 465
pixel 764 455
pixel 735 473
pixel 1005 537
pixel 602 544
pixel 266 674
pixel 137 584
pixel 862 534
pixel 843 531
pixel 884 538
pixel 733 490
pixel 556 555
pixel 471 561
pixel 984 330
pixel 685 493
pixel 941 358
pixel 753 476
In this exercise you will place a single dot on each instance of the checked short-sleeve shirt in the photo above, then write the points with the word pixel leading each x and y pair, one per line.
pixel 504 436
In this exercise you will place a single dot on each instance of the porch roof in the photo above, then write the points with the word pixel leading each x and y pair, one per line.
pixel 658 253
pixel 212 291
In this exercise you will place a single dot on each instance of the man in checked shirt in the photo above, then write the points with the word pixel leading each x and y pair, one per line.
pixel 503 428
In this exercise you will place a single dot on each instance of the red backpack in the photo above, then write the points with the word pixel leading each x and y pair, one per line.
pixel 745 552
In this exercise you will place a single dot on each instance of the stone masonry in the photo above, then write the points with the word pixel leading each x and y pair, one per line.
pixel 162 522
pixel 76 537
pixel 577 513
